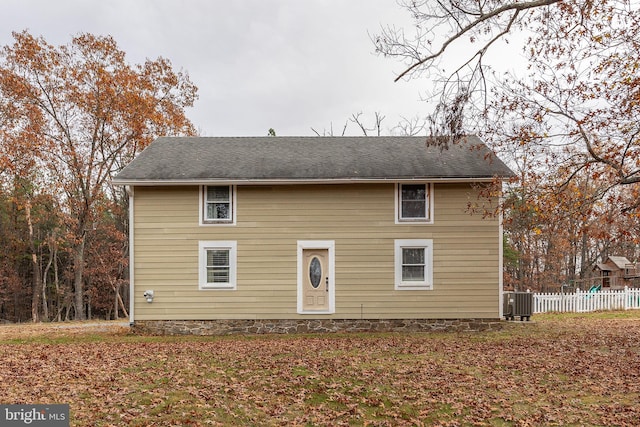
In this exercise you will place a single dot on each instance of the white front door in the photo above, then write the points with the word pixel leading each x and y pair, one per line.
pixel 316 277
pixel 315 280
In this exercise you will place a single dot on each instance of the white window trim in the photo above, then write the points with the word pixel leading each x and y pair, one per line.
pixel 317 244
pixel 427 244
pixel 203 246
pixel 201 206
pixel 429 219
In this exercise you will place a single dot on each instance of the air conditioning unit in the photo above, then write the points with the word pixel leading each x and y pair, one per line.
pixel 517 304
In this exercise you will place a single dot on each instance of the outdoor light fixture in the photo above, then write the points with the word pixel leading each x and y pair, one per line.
pixel 148 295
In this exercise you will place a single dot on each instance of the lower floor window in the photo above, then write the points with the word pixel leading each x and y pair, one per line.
pixel 414 264
pixel 217 264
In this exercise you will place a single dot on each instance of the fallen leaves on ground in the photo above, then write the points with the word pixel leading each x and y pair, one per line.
pixel 564 371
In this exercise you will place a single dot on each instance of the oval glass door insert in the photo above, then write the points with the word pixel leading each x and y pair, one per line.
pixel 315 272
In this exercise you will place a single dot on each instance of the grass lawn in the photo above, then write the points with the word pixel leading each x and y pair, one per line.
pixel 557 370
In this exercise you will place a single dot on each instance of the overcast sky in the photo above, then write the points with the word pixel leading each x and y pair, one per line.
pixel 291 65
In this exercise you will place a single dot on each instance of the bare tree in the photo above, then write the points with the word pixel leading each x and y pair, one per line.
pixel 411 126
pixel 329 132
pixel 357 119
pixel 567 121
pixel 439 27
pixel 578 100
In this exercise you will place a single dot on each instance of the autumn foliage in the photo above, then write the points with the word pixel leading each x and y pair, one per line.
pixel 71 117
pixel 565 119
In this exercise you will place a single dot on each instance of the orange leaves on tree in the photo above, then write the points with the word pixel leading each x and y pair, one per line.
pixel 80 112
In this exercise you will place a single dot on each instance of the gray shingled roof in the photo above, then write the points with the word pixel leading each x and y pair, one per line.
pixel 206 159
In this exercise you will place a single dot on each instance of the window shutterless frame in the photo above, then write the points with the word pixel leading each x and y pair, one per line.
pixel 217 205
pixel 217 264
pixel 414 203
pixel 413 261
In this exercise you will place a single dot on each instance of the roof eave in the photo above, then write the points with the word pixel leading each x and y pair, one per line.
pixel 285 181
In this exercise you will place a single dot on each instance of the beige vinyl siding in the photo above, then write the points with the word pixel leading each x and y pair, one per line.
pixel 360 218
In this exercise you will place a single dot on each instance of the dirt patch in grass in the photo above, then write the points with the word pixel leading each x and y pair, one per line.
pixel 62 331
pixel 558 370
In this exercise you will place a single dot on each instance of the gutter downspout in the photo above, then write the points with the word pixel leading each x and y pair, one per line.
pixel 132 295
pixel 500 256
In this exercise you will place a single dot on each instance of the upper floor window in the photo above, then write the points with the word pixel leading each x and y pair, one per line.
pixel 218 204
pixel 413 203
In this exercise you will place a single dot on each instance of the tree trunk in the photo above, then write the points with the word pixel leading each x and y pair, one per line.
pixel 115 304
pixel 583 255
pixel 78 270
pixel 45 274
pixel 67 311
pixel 37 277
pixel 56 282
pixel 121 302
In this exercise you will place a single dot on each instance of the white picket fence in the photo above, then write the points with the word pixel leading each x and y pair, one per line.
pixel 584 301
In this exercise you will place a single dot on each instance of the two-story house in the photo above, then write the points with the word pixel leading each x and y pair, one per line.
pixel 280 234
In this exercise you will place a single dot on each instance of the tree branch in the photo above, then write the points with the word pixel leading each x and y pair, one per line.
pixel 483 17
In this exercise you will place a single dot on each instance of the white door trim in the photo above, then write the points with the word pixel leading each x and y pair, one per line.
pixel 317 244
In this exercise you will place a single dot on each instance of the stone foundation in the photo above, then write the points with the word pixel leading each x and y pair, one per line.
pixel 230 327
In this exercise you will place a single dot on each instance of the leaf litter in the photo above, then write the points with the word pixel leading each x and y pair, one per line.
pixel 556 371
